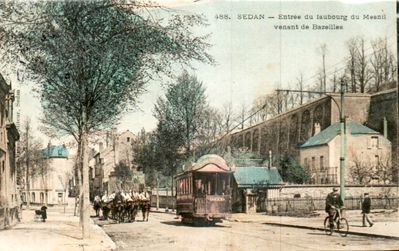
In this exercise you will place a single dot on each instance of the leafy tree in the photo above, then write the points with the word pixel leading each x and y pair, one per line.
pixel 124 174
pixel 180 114
pixel 90 60
pixel 291 171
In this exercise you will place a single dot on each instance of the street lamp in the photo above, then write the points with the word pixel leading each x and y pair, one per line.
pixel 343 145
pixel 343 141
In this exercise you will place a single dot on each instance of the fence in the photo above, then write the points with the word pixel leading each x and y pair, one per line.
pixel 306 205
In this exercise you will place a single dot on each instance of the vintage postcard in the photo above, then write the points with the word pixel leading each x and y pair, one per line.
pixel 199 125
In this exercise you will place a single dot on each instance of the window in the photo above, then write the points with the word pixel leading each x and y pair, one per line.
pixel 321 163
pixel 306 163
pixel 377 160
pixel 313 163
pixel 374 142
pixel 60 200
pixel 128 139
pixel 42 197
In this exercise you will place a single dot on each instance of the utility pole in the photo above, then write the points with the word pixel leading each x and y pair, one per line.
pixel 343 145
pixel 342 132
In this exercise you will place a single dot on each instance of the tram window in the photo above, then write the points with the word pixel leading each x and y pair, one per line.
pixel 220 185
pixel 189 185
pixel 199 187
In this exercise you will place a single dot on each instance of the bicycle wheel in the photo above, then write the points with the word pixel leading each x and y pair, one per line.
pixel 327 229
pixel 343 227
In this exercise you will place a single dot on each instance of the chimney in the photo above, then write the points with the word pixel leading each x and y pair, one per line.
pixel 316 128
pixel 270 159
pixel 385 128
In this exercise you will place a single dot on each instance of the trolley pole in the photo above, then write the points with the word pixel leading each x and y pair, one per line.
pixel 343 146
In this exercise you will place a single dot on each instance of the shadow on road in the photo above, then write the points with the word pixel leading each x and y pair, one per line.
pixel 316 233
pixel 180 224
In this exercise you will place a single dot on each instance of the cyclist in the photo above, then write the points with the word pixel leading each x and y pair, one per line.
pixel 333 203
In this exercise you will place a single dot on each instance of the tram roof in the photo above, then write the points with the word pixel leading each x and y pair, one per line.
pixel 210 163
pixel 257 176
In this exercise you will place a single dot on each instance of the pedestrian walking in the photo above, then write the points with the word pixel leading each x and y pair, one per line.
pixel 366 205
pixel 44 213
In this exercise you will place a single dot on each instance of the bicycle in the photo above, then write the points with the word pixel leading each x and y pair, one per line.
pixel 340 224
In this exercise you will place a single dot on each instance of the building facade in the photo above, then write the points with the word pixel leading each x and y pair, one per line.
pixel 49 183
pixel 115 149
pixel 367 151
pixel 9 194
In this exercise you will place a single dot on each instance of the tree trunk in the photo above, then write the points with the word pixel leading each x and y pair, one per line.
pixel 27 182
pixel 85 185
pixel 173 195
pixel 157 184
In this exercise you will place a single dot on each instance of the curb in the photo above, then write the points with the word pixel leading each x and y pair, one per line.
pixel 107 240
pixel 163 212
pixel 322 229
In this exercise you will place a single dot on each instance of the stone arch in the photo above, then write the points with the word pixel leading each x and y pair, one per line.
pixel 293 131
pixel 255 140
pixel 317 117
pixel 247 140
pixel 306 127
pixel 264 138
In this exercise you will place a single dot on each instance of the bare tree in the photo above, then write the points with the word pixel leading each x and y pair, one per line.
pixel 299 85
pixel 29 158
pixel 242 115
pixel 365 170
pixel 361 171
pixel 323 77
pixel 351 64
pixel 362 69
pixel 227 118
pixel 383 64
pixel 334 82
pixel 384 171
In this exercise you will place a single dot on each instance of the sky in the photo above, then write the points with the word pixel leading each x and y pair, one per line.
pixel 252 56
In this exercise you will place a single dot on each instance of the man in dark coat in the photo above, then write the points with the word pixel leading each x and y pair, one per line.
pixel 333 203
pixel 366 205
pixel 44 213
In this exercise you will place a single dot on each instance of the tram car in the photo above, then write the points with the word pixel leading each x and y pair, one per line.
pixel 203 192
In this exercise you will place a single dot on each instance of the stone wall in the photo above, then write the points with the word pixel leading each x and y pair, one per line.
pixel 285 132
pixel 317 191
pixel 385 104
pixel 297 200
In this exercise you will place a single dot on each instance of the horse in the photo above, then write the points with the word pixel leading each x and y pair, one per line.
pixel 106 208
pixel 145 206
pixel 97 207
pixel 117 208
pixel 130 210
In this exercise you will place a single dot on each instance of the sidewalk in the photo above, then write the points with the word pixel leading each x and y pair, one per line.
pixel 386 222
pixel 60 232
